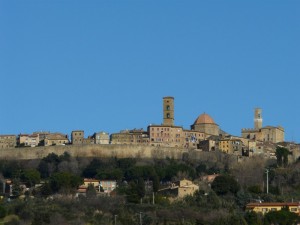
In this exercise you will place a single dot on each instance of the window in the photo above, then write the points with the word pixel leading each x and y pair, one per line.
pixel 293 209
pixel 168 107
pixel 168 115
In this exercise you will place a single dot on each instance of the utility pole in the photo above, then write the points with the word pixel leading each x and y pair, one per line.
pixel 115 219
pixel 141 223
pixel 153 202
pixel 267 171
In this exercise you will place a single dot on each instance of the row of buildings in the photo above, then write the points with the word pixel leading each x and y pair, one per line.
pixel 50 139
pixel 204 134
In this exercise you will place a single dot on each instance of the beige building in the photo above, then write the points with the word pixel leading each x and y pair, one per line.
pixel 31 140
pixel 231 146
pixel 186 187
pixel 77 138
pixel 101 138
pixel 56 139
pixel 135 136
pixel 8 141
pixel 265 207
pixel 180 189
pixel 108 185
pixel 42 135
pixel 167 134
pixel 164 135
pixel 86 182
pixel 260 133
pixel 205 124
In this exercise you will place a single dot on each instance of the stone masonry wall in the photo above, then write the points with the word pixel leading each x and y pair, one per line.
pixel 103 151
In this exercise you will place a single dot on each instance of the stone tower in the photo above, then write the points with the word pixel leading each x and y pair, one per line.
pixel 168 111
pixel 77 137
pixel 257 119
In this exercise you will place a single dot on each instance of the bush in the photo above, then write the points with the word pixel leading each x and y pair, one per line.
pixel 224 184
pixel 2 211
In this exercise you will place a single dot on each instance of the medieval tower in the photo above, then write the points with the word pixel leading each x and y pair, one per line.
pixel 168 111
pixel 257 119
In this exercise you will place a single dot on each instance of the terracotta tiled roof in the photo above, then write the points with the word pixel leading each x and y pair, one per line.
pixel 256 204
pixel 204 119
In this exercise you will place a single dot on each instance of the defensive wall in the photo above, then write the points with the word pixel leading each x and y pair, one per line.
pixel 101 151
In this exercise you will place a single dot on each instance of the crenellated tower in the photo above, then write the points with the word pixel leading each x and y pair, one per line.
pixel 257 118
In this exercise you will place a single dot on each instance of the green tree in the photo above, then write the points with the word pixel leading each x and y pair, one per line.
pixel 282 156
pixel 252 218
pixel 112 174
pixel 224 184
pixel 91 170
pixel 65 181
pixel 141 188
pixel 43 169
pixel 91 192
pixel 2 211
pixel 46 190
pixel 31 177
pixel 126 163
pixel 282 217
pixel 65 157
pixel 155 183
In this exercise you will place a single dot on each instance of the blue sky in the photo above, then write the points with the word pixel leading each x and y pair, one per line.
pixel 106 65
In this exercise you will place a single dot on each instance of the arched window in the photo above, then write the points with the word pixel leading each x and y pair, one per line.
pixel 168 115
pixel 168 107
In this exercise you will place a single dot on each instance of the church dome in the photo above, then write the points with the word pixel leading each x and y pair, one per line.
pixel 204 119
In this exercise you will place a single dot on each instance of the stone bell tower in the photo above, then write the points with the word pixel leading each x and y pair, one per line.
pixel 257 118
pixel 168 111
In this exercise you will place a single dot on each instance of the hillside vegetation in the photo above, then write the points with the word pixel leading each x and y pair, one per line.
pixel 53 180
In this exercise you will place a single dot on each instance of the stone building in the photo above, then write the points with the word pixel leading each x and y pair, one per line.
pixel 192 138
pixel 135 136
pixel 56 139
pixel 42 136
pixel 31 140
pixel 168 134
pixel 165 135
pixel 231 146
pixel 101 138
pixel 179 189
pixel 260 133
pixel 8 141
pixel 205 124
pixel 77 137
pixel 207 145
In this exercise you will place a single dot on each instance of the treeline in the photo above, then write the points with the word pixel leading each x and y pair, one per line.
pixel 223 202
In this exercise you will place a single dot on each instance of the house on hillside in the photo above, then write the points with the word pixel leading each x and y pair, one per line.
pixel 180 189
pixel 266 207
pixel 103 186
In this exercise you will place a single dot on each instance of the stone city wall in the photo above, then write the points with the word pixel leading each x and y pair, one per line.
pixel 101 151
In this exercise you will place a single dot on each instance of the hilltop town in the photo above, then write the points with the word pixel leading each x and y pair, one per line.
pixel 203 174
pixel 204 135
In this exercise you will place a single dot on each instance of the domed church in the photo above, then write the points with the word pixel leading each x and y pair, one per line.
pixel 204 123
